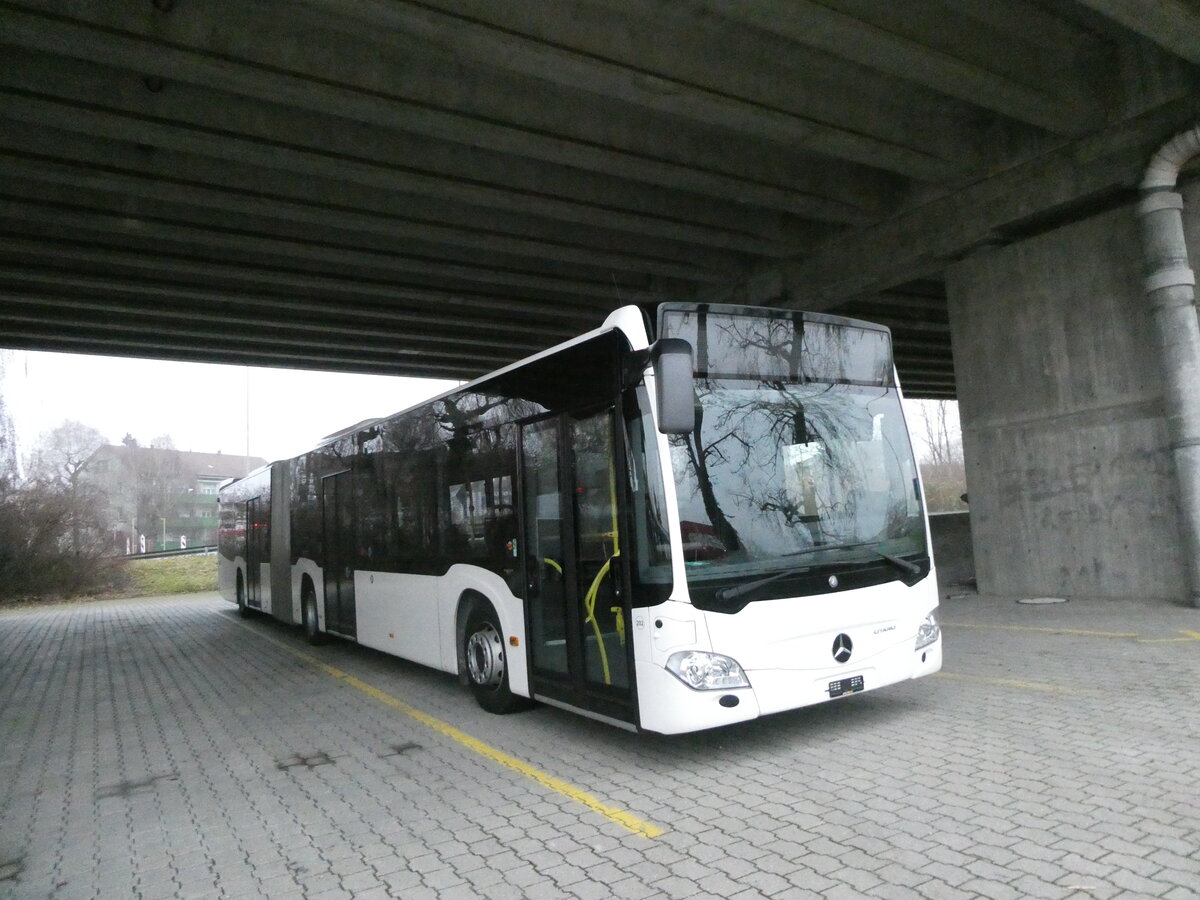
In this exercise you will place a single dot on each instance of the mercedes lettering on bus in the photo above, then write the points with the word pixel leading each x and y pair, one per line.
pixel 667 525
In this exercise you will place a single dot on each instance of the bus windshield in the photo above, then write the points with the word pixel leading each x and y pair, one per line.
pixel 800 458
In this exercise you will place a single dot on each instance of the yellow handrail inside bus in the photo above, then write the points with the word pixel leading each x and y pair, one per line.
pixel 590 602
pixel 589 599
pixel 619 618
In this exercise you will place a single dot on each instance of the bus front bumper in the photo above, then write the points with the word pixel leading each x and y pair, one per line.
pixel 668 706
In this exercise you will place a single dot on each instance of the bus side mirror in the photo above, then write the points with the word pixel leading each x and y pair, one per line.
pixel 672 359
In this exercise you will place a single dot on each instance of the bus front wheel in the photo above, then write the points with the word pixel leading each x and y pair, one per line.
pixel 487 669
pixel 308 613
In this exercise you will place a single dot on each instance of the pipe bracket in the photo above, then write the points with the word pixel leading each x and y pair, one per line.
pixel 1184 444
pixel 1159 200
pixel 1176 276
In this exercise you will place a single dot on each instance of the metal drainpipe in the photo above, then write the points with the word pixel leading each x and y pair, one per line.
pixel 1170 288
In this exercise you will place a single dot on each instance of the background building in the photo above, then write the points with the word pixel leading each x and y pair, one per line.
pixel 166 495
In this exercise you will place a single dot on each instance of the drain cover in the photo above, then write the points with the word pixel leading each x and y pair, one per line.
pixel 1042 601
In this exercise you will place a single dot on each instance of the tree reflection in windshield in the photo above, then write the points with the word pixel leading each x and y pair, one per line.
pixel 780 460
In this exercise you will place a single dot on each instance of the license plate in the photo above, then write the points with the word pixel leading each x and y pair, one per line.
pixel 846 686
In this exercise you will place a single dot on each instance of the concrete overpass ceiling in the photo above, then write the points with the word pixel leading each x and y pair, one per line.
pixel 438 187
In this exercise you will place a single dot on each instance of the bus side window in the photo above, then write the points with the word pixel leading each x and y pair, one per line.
pixel 481 523
pixel 375 532
pixel 648 497
pixel 412 498
pixel 458 535
pixel 500 524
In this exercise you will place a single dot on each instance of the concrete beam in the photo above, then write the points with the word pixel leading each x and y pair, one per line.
pixel 429 311
pixel 899 300
pixel 1172 24
pixel 157 263
pixel 135 336
pixel 226 352
pixel 331 333
pixel 114 232
pixel 142 198
pixel 1006 76
pixel 340 152
pixel 473 197
pixel 733 60
pixel 922 241
pixel 277 340
pixel 935 391
pixel 906 325
pixel 601 72
pixel 409 92
pixel 408 308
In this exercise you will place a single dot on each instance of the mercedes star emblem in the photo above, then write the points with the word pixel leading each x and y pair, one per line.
pixel 842 647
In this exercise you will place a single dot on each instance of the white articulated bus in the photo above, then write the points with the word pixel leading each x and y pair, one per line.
pixel 667 526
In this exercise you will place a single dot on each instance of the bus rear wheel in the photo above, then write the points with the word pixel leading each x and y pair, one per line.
pixel 243 609
pixel 308 615
pixel 487 669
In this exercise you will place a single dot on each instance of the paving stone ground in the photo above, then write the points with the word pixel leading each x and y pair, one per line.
pixel 165 748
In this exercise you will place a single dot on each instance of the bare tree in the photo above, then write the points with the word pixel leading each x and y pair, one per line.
pixel 9 473
pixel 59 460
pixel 939 430
pixel 51 534
pixel 63 452
pixel 159 479
pixel 942 467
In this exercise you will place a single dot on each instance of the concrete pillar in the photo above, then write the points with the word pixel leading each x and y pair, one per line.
pixel 1065 436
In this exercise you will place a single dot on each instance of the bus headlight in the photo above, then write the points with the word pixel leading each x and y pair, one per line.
pixel 703 671
pixel 928 632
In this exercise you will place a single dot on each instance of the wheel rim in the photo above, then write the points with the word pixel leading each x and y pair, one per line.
pixel 485 656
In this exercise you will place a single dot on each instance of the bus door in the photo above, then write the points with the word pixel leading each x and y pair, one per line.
pixel 577 607
pixel 339 531
pixel 258 547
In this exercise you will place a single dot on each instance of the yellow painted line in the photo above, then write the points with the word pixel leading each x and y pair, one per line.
pixel 1187 637
pixel 1011 683
pixel 627 820
pixel 1078 632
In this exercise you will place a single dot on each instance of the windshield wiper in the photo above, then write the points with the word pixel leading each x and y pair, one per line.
pixel 737 590
pixel 732 593
pixel 910 567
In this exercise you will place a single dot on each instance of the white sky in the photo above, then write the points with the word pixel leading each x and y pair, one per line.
pixel 202 407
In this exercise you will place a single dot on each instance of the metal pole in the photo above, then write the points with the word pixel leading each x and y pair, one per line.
pixel 246 460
